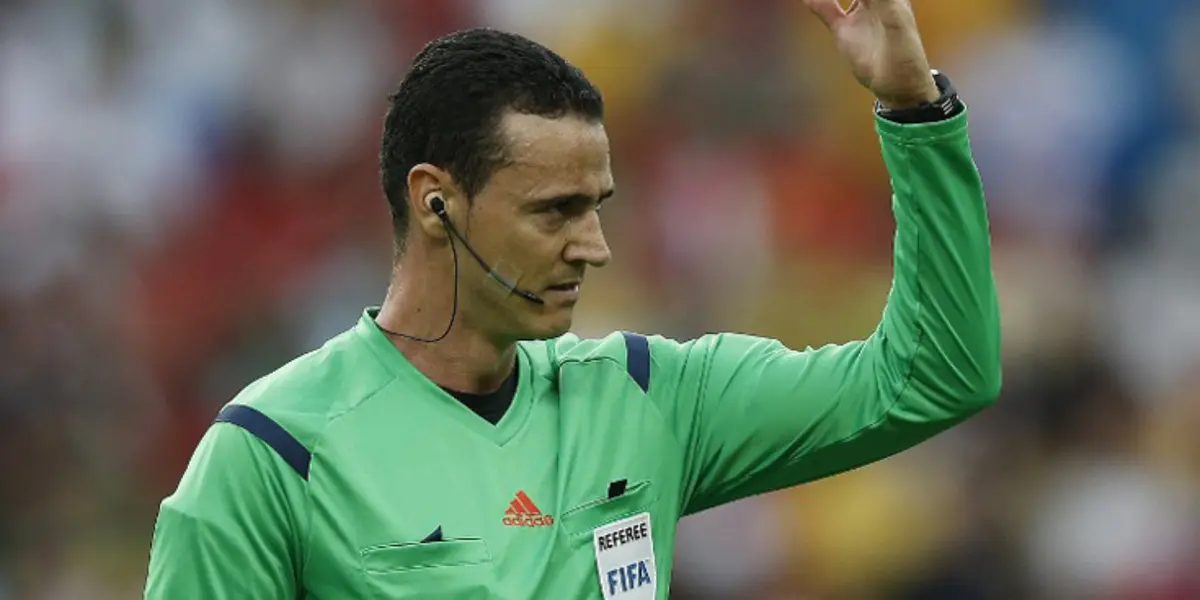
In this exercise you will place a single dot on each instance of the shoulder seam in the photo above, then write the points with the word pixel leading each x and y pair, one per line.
pixel 589 359
pixel 269 432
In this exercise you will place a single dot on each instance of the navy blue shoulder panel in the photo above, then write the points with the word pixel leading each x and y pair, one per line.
pixel 637 359
pixel 262 427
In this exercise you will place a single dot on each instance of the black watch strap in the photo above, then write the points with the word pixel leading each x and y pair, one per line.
pixel 945 107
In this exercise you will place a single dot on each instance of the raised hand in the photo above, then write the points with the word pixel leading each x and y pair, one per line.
pixel 880 40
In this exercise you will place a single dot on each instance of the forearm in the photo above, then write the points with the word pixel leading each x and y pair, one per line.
pixel 761 416
pixel 940 336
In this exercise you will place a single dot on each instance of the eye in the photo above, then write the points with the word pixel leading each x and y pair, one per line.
pixel 572 208
pixel 567 208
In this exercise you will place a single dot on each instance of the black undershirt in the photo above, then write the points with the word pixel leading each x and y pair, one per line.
pixel 493 405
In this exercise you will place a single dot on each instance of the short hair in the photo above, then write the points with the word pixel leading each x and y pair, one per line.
pixel 447 110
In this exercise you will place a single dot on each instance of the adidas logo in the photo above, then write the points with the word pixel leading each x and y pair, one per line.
pixel 522 512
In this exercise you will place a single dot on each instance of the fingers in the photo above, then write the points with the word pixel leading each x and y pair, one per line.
pixel 883 3
pixel 828 11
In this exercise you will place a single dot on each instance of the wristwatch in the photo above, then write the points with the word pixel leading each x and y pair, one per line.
pixel 946 106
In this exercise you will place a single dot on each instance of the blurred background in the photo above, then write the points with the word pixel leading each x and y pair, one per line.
pixel 189 198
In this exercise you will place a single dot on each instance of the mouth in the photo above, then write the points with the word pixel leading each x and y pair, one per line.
pixel 568 287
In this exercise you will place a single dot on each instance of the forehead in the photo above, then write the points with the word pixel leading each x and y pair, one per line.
pixel 551 157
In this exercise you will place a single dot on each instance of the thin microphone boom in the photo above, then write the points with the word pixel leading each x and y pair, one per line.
pixel 439 208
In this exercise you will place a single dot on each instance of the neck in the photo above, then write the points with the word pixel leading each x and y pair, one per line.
pixel 467 359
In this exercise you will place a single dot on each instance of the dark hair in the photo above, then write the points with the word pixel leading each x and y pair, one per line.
pixel 447 110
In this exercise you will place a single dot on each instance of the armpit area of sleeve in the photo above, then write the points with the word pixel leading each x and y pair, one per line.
pixel 194 558
pixel 183 535
pixel 919 133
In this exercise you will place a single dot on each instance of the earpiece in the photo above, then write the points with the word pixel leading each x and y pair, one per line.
pixel 438 206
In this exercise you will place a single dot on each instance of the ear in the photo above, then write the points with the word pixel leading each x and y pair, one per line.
pixel 425 182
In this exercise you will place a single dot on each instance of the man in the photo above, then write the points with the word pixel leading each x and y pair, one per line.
pixel 459 443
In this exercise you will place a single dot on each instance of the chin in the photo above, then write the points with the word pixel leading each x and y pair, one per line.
pixel 550 326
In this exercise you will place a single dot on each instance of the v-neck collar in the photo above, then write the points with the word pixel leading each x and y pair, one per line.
pixel 501 433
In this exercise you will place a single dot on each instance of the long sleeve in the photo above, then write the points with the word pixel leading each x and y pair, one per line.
pixel 754 415
pixel 230 531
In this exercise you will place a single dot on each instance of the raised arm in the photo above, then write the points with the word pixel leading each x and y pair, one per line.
pixel 756 416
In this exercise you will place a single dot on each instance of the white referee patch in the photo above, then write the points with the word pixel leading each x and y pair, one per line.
pixel 625 559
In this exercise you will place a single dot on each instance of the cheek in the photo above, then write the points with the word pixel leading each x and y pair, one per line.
pixel 535 243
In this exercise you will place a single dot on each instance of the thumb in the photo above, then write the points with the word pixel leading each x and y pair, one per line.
pixel 828 11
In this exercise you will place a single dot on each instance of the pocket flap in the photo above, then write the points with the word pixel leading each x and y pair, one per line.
pixel 586 517
pixel 392 558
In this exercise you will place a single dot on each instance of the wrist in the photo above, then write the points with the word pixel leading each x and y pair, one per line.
pixel 920 97
pixel 944 104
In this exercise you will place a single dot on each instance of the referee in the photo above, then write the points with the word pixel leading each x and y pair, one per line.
pixel 459 443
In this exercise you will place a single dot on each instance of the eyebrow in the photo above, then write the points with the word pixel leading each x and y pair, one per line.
pixel 571 198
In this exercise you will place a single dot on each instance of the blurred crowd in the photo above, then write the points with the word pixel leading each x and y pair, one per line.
pixel 189 198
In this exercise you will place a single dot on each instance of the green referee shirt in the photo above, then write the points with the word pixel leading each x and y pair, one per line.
pixel 348 474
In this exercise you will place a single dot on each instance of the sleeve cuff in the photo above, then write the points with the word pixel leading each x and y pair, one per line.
pixel 912 133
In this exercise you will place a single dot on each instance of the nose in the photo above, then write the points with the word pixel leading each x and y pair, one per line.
pixel 588 244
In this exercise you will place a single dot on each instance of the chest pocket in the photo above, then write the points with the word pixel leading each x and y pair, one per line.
pixel 579 526
pixel 579 522
pixel 443 570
